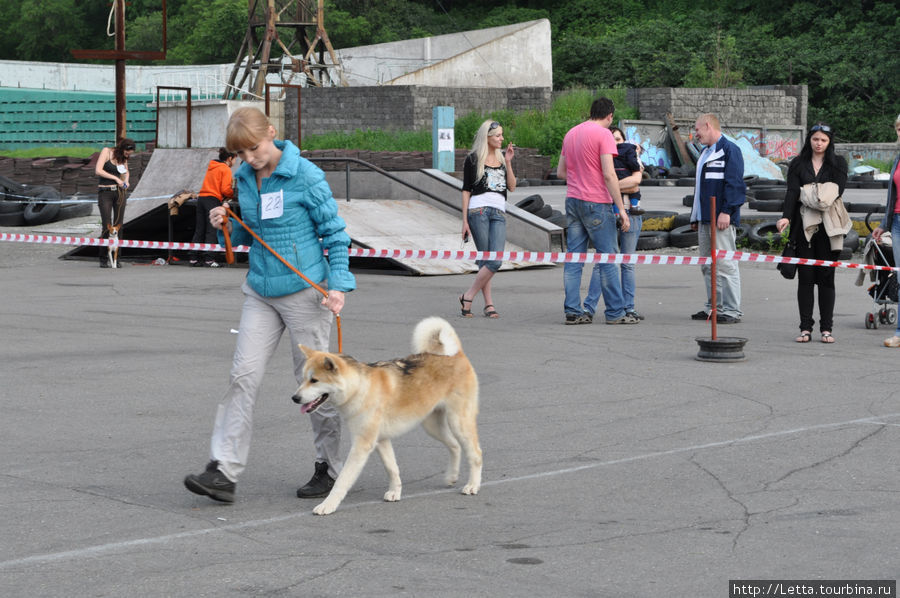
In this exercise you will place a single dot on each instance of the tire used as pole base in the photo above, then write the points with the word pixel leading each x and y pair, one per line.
pixel 722 349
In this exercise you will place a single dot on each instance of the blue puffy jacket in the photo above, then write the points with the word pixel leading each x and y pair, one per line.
pixel 309 224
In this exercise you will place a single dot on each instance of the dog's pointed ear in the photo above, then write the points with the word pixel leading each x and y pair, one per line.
pixel 329 365
pixel 306 351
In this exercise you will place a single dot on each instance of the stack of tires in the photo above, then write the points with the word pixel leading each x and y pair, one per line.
pixel 534 204
pixel 24 205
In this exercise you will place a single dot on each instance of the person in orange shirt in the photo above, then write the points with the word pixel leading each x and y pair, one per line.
pixel 217 187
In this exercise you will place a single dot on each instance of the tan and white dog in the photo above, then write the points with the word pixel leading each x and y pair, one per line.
pixel 112 250
pixel 436 387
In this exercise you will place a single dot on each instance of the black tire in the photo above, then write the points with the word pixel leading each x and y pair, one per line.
pixel 681 219
pixel 685 182
pixel 74 210
pixel 7 206
pixel 851 241
pixel 740 235
pixel 13 219
pixel 687 201
pixel 846 254
pixel 864 207
pixel 768 182
pixel 557 218
pixel 544 211
pixel 770 193
pixel 652 239
pixel 759 233
pixel 532 203
pixel 43 208
pixel 767 205
pixel 750 179
pixel 683 236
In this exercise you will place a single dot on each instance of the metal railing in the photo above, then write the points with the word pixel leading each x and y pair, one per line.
pixel 382 172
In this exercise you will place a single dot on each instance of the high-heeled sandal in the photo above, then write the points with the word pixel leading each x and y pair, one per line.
pixel 466 313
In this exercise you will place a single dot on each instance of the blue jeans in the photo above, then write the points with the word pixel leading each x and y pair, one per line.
pixel 597 222
pixel 628 244
pixel 488 226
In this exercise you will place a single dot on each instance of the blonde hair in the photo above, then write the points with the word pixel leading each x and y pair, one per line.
pixel 246 128
pixel 480 147
pixel 712 120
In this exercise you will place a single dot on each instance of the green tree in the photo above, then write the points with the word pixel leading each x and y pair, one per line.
pixel 44 29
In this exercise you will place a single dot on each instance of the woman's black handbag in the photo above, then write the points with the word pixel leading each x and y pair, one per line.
pixel 788 270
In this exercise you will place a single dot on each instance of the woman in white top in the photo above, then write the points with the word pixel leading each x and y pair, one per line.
pixel 487 176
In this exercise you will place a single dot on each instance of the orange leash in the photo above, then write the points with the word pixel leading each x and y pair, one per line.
pixel 229 258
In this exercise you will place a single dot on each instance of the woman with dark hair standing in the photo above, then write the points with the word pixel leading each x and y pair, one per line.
pixel 817 163
pixel 112 170
pixel 216 188
pixel 892 223
pixel 487 176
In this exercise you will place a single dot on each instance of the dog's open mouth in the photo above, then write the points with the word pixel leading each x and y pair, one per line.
pixel 310 407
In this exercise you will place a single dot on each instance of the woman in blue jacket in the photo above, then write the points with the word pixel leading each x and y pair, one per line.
pixel 285 199
pixel 892 223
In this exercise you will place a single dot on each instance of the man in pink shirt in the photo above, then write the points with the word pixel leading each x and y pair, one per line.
pixel 586 163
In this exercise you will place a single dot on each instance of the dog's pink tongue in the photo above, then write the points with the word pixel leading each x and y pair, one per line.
pixel 305 407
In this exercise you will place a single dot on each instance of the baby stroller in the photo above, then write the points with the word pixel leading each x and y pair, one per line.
pixel 884 290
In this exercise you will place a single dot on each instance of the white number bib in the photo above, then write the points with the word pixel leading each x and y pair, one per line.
pixel 272 204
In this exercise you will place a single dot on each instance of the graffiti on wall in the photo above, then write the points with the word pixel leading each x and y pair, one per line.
pixel 652 139
pixel 775 145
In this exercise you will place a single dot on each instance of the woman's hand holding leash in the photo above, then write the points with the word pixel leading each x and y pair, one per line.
pixel 334 301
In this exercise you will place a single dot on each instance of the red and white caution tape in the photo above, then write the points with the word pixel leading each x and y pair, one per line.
pixel 534 257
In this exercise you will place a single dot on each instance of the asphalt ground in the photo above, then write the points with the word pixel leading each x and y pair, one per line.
pixel 616 464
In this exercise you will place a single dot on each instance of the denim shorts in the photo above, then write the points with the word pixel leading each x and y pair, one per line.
pixel 488 226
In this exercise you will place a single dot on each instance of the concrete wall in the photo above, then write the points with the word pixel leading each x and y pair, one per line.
pixel 404 107
pixel 772 106
pixel 479 58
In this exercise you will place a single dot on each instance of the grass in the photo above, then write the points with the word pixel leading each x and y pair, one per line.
pixel 65 151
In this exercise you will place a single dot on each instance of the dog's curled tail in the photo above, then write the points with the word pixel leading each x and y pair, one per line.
pixel 435 335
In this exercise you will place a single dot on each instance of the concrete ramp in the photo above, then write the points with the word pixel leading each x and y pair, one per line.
pixel 410 224
pixel 168 172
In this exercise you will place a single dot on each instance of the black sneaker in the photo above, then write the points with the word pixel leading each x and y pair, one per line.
pixel 211 483
pixel 726 319
pixel 700 315
pixel 635 314
pixel 584 318
pixel 319 485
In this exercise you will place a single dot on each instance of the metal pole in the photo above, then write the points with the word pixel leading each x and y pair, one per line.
pixel 347 170
pixel 120 71
pixel 714 312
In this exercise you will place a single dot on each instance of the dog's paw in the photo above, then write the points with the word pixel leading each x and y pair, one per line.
pixel 451 479
pixel 392 495
pixel 324 508
pixel 470 489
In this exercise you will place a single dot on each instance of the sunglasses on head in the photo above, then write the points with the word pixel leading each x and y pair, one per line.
pixel 493 126
pixel 823 128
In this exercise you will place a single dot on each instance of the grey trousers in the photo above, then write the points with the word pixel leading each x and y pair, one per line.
pixel 263 321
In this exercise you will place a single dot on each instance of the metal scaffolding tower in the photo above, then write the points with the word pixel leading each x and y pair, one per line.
pixel 301 23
